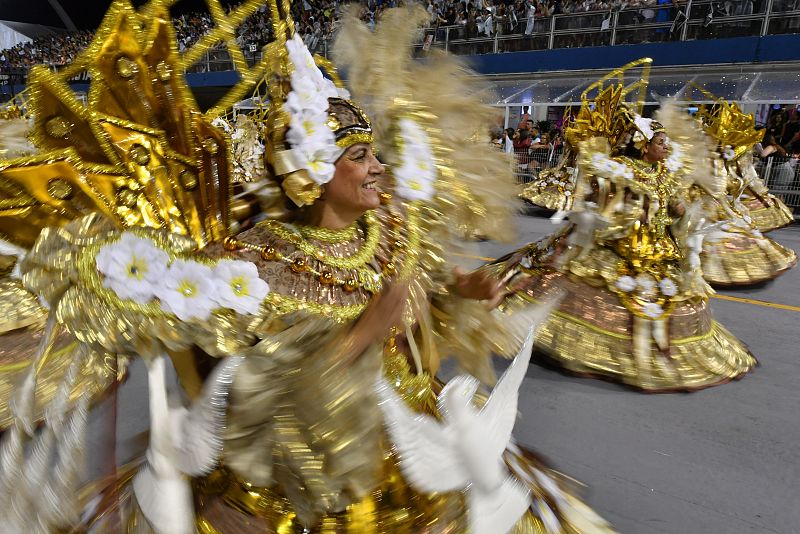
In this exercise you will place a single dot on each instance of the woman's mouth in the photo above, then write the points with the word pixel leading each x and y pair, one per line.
pixel 370 185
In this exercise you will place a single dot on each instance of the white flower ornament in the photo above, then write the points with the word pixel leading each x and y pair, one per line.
pixel 239 287
pixel 728 154
pixel 417 170
pixel 645 282
pixel 188 290
pixel 132 266
pixel 626 283
pixel 668 287
pixel 653 310
pixel 311 139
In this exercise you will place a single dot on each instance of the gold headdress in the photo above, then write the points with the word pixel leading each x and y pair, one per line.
pixel 140 151
pixel 605 110
pixel 728 124
pixel 309 121
pixel 644 130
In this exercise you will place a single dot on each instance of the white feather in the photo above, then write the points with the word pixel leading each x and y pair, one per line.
pixel 426 458
pixel 182 442
pixel 199 442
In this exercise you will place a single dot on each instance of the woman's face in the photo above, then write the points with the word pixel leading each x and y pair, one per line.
pixel 657 149
pixel 354 187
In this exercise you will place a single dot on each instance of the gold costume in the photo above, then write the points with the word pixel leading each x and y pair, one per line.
pixel 736 134
pixel 635 307
pixel 735 252
pixel 281 429
pixel 553 188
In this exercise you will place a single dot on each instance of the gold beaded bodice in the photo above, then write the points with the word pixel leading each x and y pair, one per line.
pixel 650 239
pixel 330 272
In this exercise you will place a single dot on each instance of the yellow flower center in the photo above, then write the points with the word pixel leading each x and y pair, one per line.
pixel 137 268
pixel 309 127
pixel 239 286
pixel 415 185
pixel 187 288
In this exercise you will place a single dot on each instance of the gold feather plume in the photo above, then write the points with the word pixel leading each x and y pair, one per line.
pixel 697 150
pixel 475 181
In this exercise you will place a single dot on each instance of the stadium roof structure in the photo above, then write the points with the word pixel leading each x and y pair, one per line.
pixel 777 84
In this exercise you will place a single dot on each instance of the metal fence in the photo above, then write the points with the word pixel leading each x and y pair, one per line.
pixel 782 176
pixel 218 58
pixel 530 163
pixel 690 20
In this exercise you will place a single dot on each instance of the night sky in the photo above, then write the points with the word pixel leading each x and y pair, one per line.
pixel 86 14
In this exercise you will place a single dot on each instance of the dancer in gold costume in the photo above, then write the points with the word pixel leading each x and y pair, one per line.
pixel 553 188
pixel 636 309
pixel 736 253
pixel 278 335
pixel 766 211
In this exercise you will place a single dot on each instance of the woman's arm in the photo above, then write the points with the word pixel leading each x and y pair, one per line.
pixel 477 285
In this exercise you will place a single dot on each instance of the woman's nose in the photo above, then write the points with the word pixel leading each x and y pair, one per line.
pixel 375 166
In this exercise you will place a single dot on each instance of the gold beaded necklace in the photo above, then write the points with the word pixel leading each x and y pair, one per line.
pixel 361 274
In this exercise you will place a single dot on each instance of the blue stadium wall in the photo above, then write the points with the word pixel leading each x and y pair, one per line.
pixel 766 49
pixel 741 50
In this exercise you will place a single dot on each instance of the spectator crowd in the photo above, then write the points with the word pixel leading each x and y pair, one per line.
pixel 315 22
pixel 465 19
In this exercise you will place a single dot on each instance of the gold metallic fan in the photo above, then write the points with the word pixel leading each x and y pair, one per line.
pixel 607 103
pixel 727 123
pixel 140 151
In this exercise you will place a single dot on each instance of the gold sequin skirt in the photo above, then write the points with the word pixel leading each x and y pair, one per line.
pixel 550 196
pixel 592 333
pixel 22 321
pixel 226 503
pixel 740 258
pixel 769 217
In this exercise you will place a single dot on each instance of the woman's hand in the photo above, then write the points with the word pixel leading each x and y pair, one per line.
pixel 677 208
pixel 384 312
pixel 477 285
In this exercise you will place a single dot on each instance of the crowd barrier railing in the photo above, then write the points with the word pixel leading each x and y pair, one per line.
pixel 782 176
pixel 689 20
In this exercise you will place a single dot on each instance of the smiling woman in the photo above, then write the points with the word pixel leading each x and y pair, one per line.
pixel 352 192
